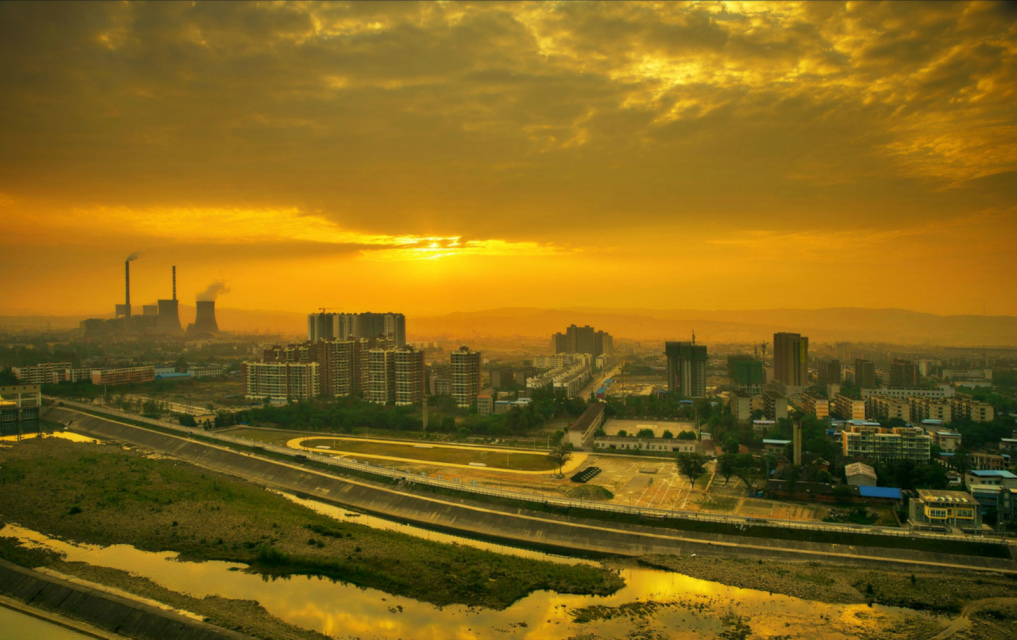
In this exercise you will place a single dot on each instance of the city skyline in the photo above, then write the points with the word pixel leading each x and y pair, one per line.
pixel 810 155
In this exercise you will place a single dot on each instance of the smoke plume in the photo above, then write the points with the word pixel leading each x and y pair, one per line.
pixel 134 256
pixel 213 291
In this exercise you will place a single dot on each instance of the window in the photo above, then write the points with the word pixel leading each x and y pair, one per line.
pixel 935 513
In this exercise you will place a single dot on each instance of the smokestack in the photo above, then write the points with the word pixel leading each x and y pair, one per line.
pixel 174 282
pixel 127 285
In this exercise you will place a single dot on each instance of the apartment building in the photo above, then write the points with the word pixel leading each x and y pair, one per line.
pixel 409 376
pixel 878 443
pixel 466 376
pixel 885 407
pixel 813 404
pixel 124 375
pixel 44 373
pixel 969 409
pixel 280 381
pixel 930 409
pixel 847 408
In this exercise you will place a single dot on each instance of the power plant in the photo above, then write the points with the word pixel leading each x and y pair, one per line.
pixel 169 315
pixel 157 320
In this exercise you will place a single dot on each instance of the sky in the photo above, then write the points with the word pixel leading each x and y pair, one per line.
pixel 437 157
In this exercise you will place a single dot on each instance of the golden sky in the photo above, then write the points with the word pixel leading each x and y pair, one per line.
pixel 437 157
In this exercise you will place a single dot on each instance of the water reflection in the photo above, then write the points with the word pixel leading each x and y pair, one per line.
pixel 65 435
pixel 688 608
pixel 345 515
pixel 16 624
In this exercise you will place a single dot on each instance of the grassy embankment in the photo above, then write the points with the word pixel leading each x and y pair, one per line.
pixel 105 495
pixel 933 591
pixel 432 454
pixel 756 530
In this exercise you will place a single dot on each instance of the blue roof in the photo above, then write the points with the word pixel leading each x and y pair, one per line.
pixel 163 376
pixel 880 492
pixel 991 473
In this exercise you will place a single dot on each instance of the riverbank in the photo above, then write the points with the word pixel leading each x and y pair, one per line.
pixel 941 591
pixel 108 494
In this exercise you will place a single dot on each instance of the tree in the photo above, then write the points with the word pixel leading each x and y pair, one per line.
pixel 561 454
pixel 622 432
pixel 726 466
pixel 180 365
pixel 667 434
pixel 731 445
pixel 691 465
pixel 187 420
pixel 645 433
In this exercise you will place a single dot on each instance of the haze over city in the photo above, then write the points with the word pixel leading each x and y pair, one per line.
pixel 508 320
pixel 449 156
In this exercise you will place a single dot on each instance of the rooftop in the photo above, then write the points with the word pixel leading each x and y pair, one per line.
pixel 856 468
pixel 892 493
pixel 945 497
pixel 592 413
pixel 991 473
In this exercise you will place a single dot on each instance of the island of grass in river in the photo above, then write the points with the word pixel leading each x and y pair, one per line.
pixel 107 495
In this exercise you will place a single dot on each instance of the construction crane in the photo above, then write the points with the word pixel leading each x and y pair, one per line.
pixel 763 346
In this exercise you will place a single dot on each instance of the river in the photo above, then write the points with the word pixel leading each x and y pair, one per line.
pixel 663 604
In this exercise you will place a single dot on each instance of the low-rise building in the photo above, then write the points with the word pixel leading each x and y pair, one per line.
pixel 946 440
pixel 886 407
pixel 991 477
pixel 125 375
pixel 968 409
pixel 944 510
pixel 847 408
pixel 819 407
pixel 763 427
pixel 1008 446
pixel 485 402
pixel 652 445
pixel 44 373
pixel 987 461
pixel 775 447
pixel 860 475
pixel 774 405
pixel 212 370
pixel 581 433
pixel 19 409
pixel 741 405
pixel 878 443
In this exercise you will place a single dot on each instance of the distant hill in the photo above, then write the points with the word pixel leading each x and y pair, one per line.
pixel 821 325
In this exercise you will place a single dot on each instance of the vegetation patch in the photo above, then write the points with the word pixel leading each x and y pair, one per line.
pixel 124 497
pixel 589 492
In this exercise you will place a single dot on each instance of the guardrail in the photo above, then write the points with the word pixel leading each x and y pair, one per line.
pixel 742 522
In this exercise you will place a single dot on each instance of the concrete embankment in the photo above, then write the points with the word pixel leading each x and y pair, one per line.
pixel 499 523
pixel 105 611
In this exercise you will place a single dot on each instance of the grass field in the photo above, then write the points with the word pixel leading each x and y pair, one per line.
pixel 435 454
pixel 101 494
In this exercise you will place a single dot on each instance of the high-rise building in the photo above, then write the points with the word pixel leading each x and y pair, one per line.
pixel 686 368
pixel 745 372
pixel 583 340
pixel 791 359
pixel 409 376
pixel 903 374
pixel 372 326
pixel 829 372
pixel 865 374
pixel 381 376
pixel 466 379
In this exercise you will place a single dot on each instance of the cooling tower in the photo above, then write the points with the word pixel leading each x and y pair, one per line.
pixel 204 321
pixel 169 318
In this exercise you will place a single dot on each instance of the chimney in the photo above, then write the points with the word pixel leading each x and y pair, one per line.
pixel 174 282
pixel 127 285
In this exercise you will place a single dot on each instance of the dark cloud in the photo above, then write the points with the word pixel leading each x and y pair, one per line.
pixel 450 119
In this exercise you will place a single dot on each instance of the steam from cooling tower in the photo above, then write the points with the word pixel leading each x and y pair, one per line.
pixel 213 291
